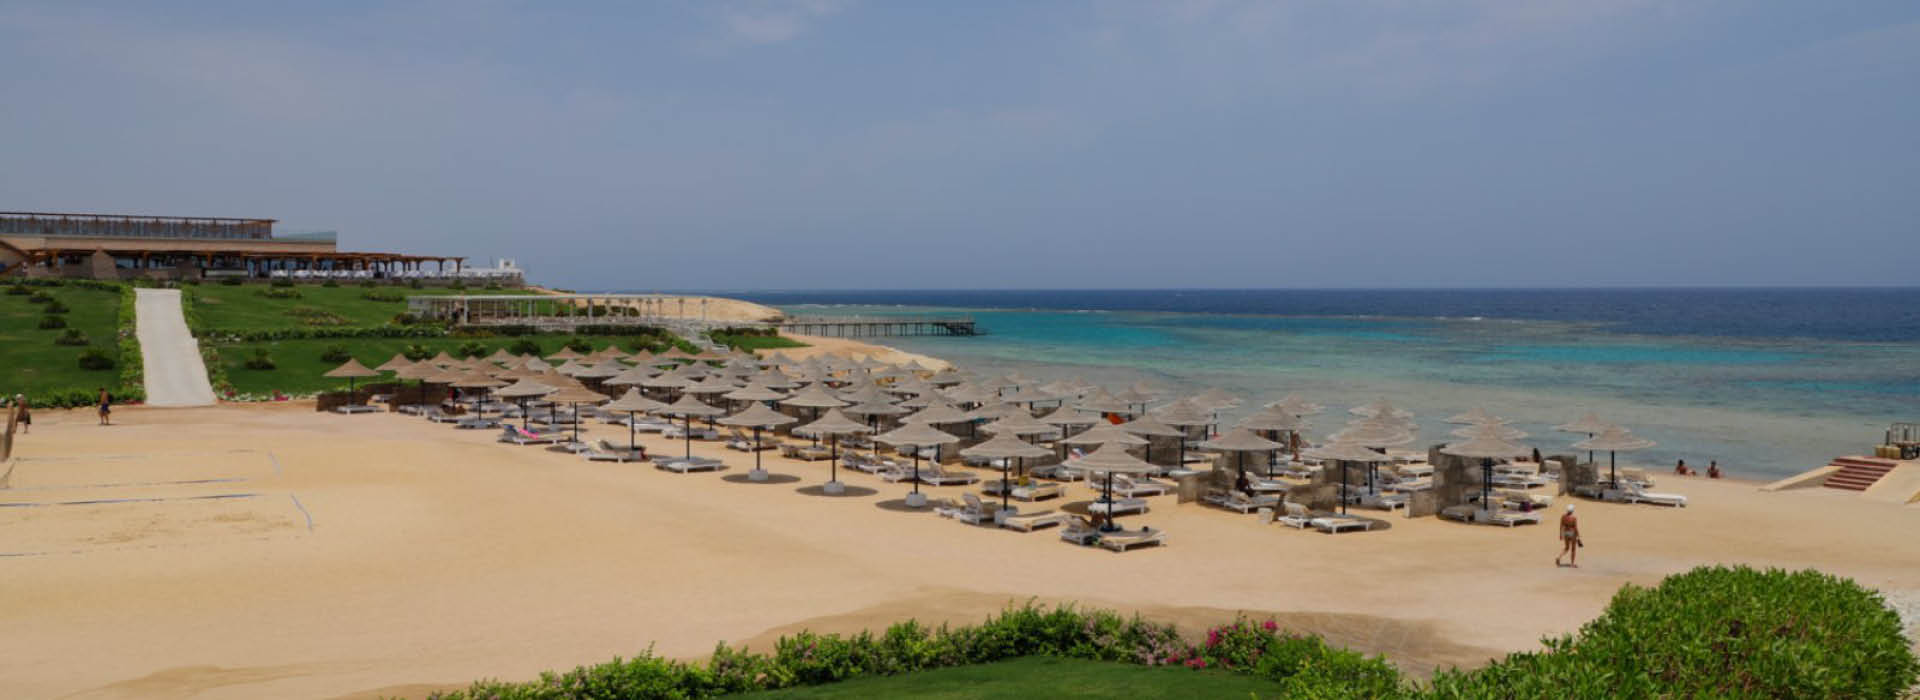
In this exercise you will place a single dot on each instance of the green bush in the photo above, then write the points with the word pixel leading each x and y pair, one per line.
pixel 336 353
pixel 40 298
pixel 1716 632
pixel 383 296
pixel 260 360
pixel 471 349
pixel 329 283
pixel 414 284
pixel 283 282
pixel 417 352
pixel 48 323
pixel 55 307
pixel 94 359
pixel 525 347
pixel 578 344
pixel 18 290
pixel 231 281
pixel 279 292
pixel 73 336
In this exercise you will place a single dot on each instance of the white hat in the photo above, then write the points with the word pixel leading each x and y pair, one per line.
pixel 1569 507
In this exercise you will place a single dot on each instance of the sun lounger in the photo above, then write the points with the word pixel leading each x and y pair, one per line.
pixel 682 465
pixel 1235 500
pixel 974 512
pixel 1133 487
pixel 1119 506
pixel 604 451
pixel 805 452
pixel 1297 470
pixel 1377 499
pixel 518 436
pixel 1028 522
pixel 679 432
pixel 1294 515
pixel 437 415
pixel 477 423
pixel 1078 531
pixel 1635 493
pixel 1037 491
pixel 357 408
pixel 1058 472
pixel 1123 540
pixel 863 462
pixel 1336 524
pixel 1486 516
pixel 932 474
pixel 1261 484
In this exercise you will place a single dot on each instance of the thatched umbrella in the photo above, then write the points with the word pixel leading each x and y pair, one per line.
pixel 757 416
pixel 814 396
pixel 573 394
pixel 350 370
pixel 1492 430
pixel 1590 425
pixel 500 356
pixel 442 359
pixel 1099 401
pixel 917 435
pixel 633 402
pixel 1110 458
pixel 1066 417
pixel 1380 409
pixel 873 410
pixel 478 380
pixel 1486 449
pixel 1476 416
pixel 399 360
pixel 1375 433
pixel 523 390
pixel 565 353
pixel 1292 403
pixel 1274 420
pixel 1240 441
pixel 688 407
pixel 419 371
pixel 1004 445
pixel 1183 414
pixel 1346 452
pixel 1615 439
pixel 1150 427
pixel 831 426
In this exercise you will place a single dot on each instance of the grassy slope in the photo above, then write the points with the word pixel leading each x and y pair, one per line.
pixel 298 363
pixel 757 342
pixel 1042 677
pixel 33 363
pixel 243 308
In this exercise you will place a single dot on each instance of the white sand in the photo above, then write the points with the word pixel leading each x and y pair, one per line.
pixel 437 556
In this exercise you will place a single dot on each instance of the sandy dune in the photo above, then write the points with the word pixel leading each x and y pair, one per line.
pixel 846 347
pixel 269 551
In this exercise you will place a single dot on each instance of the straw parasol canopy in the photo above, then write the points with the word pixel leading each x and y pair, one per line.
pixel 565 353
pixel 1149 426
pixel 1272 418
pixel 1215 399
pixel 690 406
pixel 1103 434
pixel 714 384
pixel 1292 403
pixel 634 402
pixel 1373 434
pixel 1100 401
pixel 351 369
pixel 1005 446
pixel 1589 424
pixel 758 417
pixel 1485 449
pixel 1111 459
pixel 605 369
pixel 443 359
pixel 1475 417
pixel 1380 409
pixel 972 393
pixel 632 376
pixel 500 356
pixel 1241 441
pixel 571 367
pixel 397 362
pixel 755 391
pixel 813 396
pixel 522 390
pixel 1347 452
pixel 1030 396
pixel 937 414
pixel 876 408
pixel 474 379
pixel 573 394
pixel 1019 423
pixel 1183 413
pixel 832 425
pixel 1614 439
pixel 1066 416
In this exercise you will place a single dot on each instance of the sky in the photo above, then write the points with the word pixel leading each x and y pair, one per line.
pixel 841 144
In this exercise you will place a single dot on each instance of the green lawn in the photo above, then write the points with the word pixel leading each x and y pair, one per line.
pixel 1043 677
pixel 33 364
pixel 751 343
pixel 243 307
pixel 298 363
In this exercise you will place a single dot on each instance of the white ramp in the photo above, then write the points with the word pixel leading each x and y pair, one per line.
pixel 174 372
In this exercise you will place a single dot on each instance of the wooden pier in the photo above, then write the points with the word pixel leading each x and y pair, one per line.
pixel 880 326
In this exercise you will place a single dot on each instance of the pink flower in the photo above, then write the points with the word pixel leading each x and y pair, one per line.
pixel 1270 626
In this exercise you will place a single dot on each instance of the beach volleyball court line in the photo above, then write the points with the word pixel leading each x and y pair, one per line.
pixel 107 501
pixel 303 511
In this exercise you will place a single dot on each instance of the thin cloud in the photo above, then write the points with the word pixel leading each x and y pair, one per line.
pixel 772 22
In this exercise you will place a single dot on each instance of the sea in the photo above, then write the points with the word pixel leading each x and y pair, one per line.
pixel 1768 382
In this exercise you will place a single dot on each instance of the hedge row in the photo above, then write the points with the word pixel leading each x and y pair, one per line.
pixel 133 377
pixel 813 659
pixel 1711 632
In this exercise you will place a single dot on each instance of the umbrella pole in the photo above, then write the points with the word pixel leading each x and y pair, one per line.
pixel 916 469
pixel 574 406
pixel 1006 484
pixel 688 434
pixel 1343 488
pixel 756 448
pixel 633 440
pixel 833 467
pixel 1613 474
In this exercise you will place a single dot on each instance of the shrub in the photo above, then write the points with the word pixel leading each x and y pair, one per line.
pixel 1303 664
pixel 279 292
pixel 493 286
pixel 383 296
pixel 283 282
pixel 471 349
pixel 578 344
pixel 260 360
pixel 336 353
pixel 525 347
pixel 315 316
pixel 40 298
pixel 417 352
pixel 329 283
pixel 73 336
pixel 48 323
pixel 231 281
pixel 18 290
pixel 93 359
pixel 414 284
pixel 1716 632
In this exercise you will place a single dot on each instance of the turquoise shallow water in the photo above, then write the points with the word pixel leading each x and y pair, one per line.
pixel 1764 407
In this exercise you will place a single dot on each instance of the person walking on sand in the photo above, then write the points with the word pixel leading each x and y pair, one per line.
pixel 1569 540
pixel 106 406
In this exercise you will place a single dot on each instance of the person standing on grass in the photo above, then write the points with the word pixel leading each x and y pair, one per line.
pixel 1569 539
pixel 106 406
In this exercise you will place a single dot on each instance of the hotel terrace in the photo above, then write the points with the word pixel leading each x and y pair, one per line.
pixel 114 246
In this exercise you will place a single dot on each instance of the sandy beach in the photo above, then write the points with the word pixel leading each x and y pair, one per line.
pixel 318 555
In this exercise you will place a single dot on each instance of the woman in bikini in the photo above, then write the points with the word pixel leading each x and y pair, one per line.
pixel 1569 539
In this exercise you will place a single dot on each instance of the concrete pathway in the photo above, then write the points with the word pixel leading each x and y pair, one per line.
pixel 174 372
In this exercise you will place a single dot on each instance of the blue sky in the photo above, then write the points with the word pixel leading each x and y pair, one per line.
pixel 849 144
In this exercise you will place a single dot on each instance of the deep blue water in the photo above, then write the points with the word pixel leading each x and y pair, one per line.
pixel 1855 314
